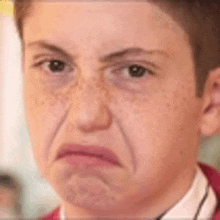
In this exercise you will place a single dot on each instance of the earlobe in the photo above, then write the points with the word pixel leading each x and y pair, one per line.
pixel 210 123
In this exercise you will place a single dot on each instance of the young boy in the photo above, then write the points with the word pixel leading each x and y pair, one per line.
pixel 117 96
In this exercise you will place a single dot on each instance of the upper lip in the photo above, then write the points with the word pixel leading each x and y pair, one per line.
pixel 94 150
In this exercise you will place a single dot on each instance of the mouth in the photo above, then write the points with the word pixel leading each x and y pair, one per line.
pixel 82 152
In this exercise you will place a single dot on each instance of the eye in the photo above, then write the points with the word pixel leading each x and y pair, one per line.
pixel 54 67
pixel 135 71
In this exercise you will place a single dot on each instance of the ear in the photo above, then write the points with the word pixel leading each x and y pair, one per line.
pixel 210 123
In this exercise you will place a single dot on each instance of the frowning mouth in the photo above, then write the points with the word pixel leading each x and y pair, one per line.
pixel 92 155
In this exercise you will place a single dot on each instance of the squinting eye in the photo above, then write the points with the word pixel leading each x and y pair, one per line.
pixel 136 71
pixel 54 66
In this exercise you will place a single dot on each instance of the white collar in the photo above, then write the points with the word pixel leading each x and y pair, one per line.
pixel 62 213
pixel 198 203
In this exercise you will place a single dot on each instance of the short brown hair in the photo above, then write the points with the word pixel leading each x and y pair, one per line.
pixel 199 18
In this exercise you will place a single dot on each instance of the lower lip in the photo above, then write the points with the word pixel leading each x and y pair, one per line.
pixel 83 160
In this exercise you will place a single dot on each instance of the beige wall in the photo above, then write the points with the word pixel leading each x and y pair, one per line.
pixel 1 84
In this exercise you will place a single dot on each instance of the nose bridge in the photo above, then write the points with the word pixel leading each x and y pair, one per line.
pixel 91 108
pixel 92 90
pixel 91 86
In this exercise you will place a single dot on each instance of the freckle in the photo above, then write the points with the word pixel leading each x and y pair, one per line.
pixel 42 102
pixel 181 153
pixel 168 105
pixel 184 99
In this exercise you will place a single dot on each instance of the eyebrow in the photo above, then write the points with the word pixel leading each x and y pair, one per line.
pixel 132 51
pixel 50 47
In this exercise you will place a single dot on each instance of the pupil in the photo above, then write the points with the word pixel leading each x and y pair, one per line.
pixel 136 71
pixel 56 65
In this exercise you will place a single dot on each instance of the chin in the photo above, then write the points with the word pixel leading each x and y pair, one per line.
pixel 87 192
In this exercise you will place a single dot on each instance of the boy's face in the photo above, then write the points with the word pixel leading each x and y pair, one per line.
pixel 150 122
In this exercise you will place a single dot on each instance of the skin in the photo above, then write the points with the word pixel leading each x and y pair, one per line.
pixel 152 123
pixel 6 197
pixel 8 200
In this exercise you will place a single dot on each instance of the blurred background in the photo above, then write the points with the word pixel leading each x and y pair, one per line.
pixel 16 158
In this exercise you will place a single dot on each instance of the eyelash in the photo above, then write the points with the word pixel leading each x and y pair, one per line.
pixel 146 70
pixel 49 61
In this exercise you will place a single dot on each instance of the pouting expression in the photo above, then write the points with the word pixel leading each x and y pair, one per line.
pixel 117 75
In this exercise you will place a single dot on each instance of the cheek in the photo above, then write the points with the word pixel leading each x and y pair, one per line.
pixel 161 128
pixel 45 114
pixel 174 125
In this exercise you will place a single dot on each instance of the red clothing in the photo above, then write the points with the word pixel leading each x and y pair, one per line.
pixel 212 175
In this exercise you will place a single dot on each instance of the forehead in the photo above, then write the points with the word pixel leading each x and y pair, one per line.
pixel 122 9
pixel 113 22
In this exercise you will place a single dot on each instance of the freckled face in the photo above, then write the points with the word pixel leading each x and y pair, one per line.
pixel 122 78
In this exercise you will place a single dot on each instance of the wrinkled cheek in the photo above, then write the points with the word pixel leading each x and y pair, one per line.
pixel 43 117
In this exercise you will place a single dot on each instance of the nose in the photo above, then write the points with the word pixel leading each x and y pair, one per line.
pixel 91 106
